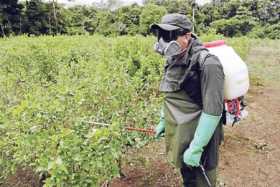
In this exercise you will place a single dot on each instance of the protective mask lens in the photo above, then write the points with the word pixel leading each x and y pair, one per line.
pixel 167 36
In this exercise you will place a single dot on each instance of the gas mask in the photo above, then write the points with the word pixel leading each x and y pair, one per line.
pixel 167 49
pixel 167 45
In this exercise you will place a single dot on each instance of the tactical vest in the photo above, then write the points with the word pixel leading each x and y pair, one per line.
pixel 185 74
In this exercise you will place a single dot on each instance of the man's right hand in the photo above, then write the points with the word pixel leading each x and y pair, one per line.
pixel 160 129
pixel 161 126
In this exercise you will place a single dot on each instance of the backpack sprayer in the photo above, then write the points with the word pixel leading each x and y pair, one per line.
pixel 236 80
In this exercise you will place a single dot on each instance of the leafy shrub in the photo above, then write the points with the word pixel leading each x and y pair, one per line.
pixel 151 14
pixel 273 31
pixel 54 89
pixel 233 26
pixel 267 31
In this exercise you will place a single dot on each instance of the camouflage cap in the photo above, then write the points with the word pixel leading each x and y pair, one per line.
pixel 171 22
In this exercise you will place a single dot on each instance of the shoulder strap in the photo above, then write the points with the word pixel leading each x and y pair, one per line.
pixel 203 54
pixel 197 60
pixel 200 53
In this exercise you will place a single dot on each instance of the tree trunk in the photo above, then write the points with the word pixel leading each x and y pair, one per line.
pixel 193 14
pixel 20 25
pixel 54 16
pixel 3 32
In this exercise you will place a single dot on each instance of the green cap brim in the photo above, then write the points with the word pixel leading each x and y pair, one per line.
pixel 165 27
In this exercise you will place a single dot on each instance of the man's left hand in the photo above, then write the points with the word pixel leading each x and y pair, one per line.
pixel 203 133
pixel 192 157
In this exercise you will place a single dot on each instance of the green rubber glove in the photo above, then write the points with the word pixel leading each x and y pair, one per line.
pixel 161 126
pixel 203 133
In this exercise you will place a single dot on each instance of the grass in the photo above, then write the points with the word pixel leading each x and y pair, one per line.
pixel 264 62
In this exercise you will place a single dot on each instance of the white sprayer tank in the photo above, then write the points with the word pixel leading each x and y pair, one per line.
pixel 235 70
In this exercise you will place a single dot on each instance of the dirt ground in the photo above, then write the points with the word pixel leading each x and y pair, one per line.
pixel 23 178
pixel 249 156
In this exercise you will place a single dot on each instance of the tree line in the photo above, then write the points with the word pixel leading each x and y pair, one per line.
pixel 254 18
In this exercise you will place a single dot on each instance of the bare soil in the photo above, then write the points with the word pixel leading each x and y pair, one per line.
pixel 23 178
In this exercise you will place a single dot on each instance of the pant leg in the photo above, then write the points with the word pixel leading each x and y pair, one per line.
pixel 194 177
pixel 201 181
pixel 189 176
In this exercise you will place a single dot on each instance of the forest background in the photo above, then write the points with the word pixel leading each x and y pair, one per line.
pixel 253 18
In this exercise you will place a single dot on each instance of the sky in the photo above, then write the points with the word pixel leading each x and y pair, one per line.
pixel 126 2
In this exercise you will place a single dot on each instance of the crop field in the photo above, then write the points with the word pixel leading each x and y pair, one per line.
pixel 65 103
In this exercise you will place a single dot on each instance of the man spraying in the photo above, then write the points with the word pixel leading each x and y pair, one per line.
pixel 193 84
